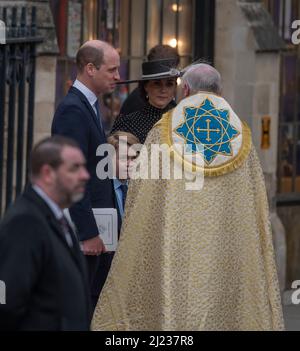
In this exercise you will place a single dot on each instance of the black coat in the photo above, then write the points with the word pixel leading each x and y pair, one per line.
pixel 140 123
pixel 134 102
pixel 75 118
pixel 46 282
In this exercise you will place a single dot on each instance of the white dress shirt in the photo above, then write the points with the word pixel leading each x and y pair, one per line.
pixel 91 97
pixel 57 211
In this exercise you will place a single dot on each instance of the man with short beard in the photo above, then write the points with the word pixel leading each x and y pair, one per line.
pixel 40 260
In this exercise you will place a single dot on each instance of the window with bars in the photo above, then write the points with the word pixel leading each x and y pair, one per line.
pixel 284 12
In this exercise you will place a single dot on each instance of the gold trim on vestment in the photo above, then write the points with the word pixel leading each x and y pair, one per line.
pixel 165 125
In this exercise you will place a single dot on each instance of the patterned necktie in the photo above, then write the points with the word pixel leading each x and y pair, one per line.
pixel 66 230
pixel 124 188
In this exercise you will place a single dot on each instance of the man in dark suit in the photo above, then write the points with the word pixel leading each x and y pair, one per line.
pixel 78 117
pixel 40 259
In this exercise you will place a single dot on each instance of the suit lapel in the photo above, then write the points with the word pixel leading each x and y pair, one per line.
pixel 57 229
pixel 53 223
pixel 75 251
pixel 89 107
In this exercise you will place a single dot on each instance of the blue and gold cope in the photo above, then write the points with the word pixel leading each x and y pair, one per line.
pixel 207 129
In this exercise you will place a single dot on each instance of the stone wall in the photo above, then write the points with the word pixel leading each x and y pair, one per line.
pixel 290 217
pixel 45 24
pixel 250 68
pixel 44 96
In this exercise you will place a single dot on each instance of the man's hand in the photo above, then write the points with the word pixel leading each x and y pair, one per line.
pixel 93 247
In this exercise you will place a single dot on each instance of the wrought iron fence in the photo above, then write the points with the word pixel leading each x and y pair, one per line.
pixel 17 89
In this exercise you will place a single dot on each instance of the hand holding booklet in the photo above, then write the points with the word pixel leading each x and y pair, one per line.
pixel 107 223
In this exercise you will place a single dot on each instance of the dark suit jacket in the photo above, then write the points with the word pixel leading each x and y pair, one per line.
pixel 75 118
pixel 46 283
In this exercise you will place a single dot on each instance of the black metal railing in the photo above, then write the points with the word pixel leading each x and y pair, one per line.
pixel 17 88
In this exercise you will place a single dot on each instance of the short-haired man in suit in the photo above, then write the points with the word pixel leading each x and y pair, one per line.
pixel 40 259
pixel 78 117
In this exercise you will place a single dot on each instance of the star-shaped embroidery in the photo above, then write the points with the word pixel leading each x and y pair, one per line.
pixel 207 129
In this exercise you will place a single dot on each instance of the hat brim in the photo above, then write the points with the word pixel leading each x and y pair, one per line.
pixel 174 74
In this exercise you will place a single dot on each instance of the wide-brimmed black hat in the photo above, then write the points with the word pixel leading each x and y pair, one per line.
pixel 158 69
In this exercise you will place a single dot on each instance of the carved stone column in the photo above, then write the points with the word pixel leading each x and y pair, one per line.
pixel 247 54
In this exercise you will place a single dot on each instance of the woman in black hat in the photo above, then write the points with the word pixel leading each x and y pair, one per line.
pixel 134 101
pixel 158 89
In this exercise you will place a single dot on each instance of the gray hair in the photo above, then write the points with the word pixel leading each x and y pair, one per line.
pixel 202 77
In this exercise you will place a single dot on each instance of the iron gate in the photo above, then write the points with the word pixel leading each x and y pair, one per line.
pixel 17 88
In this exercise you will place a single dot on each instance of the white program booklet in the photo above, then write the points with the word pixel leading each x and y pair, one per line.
pixel 107 223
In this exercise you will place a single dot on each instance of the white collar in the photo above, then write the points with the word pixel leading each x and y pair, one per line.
pixel 118 183
pixel 92 98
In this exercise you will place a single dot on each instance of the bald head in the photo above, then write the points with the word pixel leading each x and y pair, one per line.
pixel 202 77
pixel 93 52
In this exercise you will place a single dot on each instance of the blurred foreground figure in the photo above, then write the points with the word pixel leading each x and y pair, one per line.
pixel 196 258
pixel 40 260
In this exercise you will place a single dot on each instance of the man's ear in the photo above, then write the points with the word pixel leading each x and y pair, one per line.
pixel 186 90
pixel 90 68
pixel 47 174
